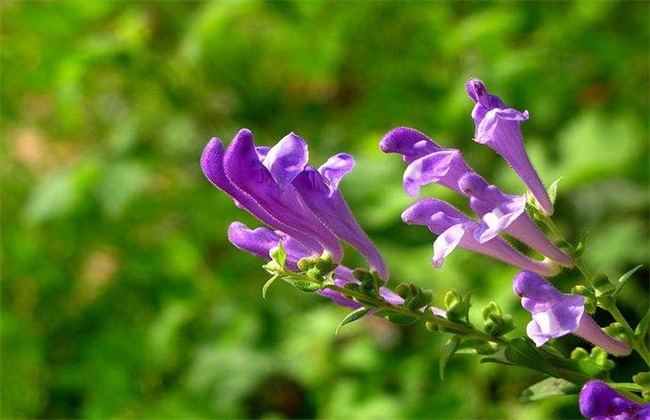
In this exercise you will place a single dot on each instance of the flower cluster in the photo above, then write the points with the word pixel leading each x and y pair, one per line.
pixel 498 127
pixel 307 220
pixel 301 205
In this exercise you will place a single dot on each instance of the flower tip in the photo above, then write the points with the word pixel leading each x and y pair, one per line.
pixel 475 89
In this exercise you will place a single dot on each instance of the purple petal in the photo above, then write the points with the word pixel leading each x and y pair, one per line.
pixel 286 159
pixel 260 241
pixel 439 216
pixel 507 213
pixel 330 208
pixel 600 402
pixel 499 127
pixel 212 164
pixel 244 170
pixel 447 242
pixel 556 314
pixel 444 167
pixel 408 142
pixel 335 168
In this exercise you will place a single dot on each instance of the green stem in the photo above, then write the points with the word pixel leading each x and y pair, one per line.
pixel 443 323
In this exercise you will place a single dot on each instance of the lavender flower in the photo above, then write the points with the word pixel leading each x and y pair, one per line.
pixel 454 229
pixel 556 314
pixel 427 162
pixel 260 241
pixel 278 187
pixel 600 402
pixel 507 213
pixel 499 127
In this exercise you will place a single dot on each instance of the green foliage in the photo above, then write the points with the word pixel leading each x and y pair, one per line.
pixel 121 297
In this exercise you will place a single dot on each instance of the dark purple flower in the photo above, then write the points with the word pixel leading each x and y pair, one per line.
pixel 278 187
pixel 556 314
pixel 455 229
pixel 507 213
pixel 499 127
pixel 427 162
pixel 600 402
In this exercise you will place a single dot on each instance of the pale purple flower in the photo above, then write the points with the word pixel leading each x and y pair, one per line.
pixel 499 127
pixel 455 229
pixel 260 241
pixel 427 162
pixel 556 314
pixel 504 212
pixel 278 187
pixel 600 402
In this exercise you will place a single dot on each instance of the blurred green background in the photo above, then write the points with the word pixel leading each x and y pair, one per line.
pixel 121 297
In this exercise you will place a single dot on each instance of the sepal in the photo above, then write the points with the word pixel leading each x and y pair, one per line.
pixel 643 380
pixel 458 307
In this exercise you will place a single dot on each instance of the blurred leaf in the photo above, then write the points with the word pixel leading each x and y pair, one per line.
pixel 549 387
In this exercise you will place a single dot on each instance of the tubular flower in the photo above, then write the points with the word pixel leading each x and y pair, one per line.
pixel 260 241
pixel 499 128
pixel 600 402
pixel 455 229
pixel 427 162
pixel 556 314
pixel 278 187
pixel 507 213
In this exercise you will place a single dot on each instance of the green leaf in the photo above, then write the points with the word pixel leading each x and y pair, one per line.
pixel 625 277
pixel 352 316
pixel 268 284
pixel 449 350
pixel 522 353
pixel 279 255
pixel 304 285
pixel 552 190
pixel 549 387
pixel 642 329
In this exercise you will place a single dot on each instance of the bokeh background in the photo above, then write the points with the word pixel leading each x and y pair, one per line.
pixel 121 297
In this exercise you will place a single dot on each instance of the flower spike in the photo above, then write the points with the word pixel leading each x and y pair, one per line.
pixel 499 128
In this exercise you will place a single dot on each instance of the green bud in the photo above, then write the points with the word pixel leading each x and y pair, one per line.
pixel 490 309
pixel 579 354
pixel 616 330
pixel 432 326
pixel 643 380
pixel 403 290
pixel 491 327
pixel 603 286
pixel 452 297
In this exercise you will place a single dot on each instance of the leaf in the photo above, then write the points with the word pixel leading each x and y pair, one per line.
pixel 268 284
pixel 642 329
pixel 304 285
pixel 549 387
pixel 450 349
pixel 625 277
pixel 352 316
pixel 279 255
pixel 522 353
pixel 552 190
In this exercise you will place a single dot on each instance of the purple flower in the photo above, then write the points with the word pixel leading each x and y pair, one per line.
pixel 278 187
pixel 556 314
pixel 427 162
pixel 600 402
pixel 454 229
pixel 499 127
pixel 260 241
pixel 507 213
